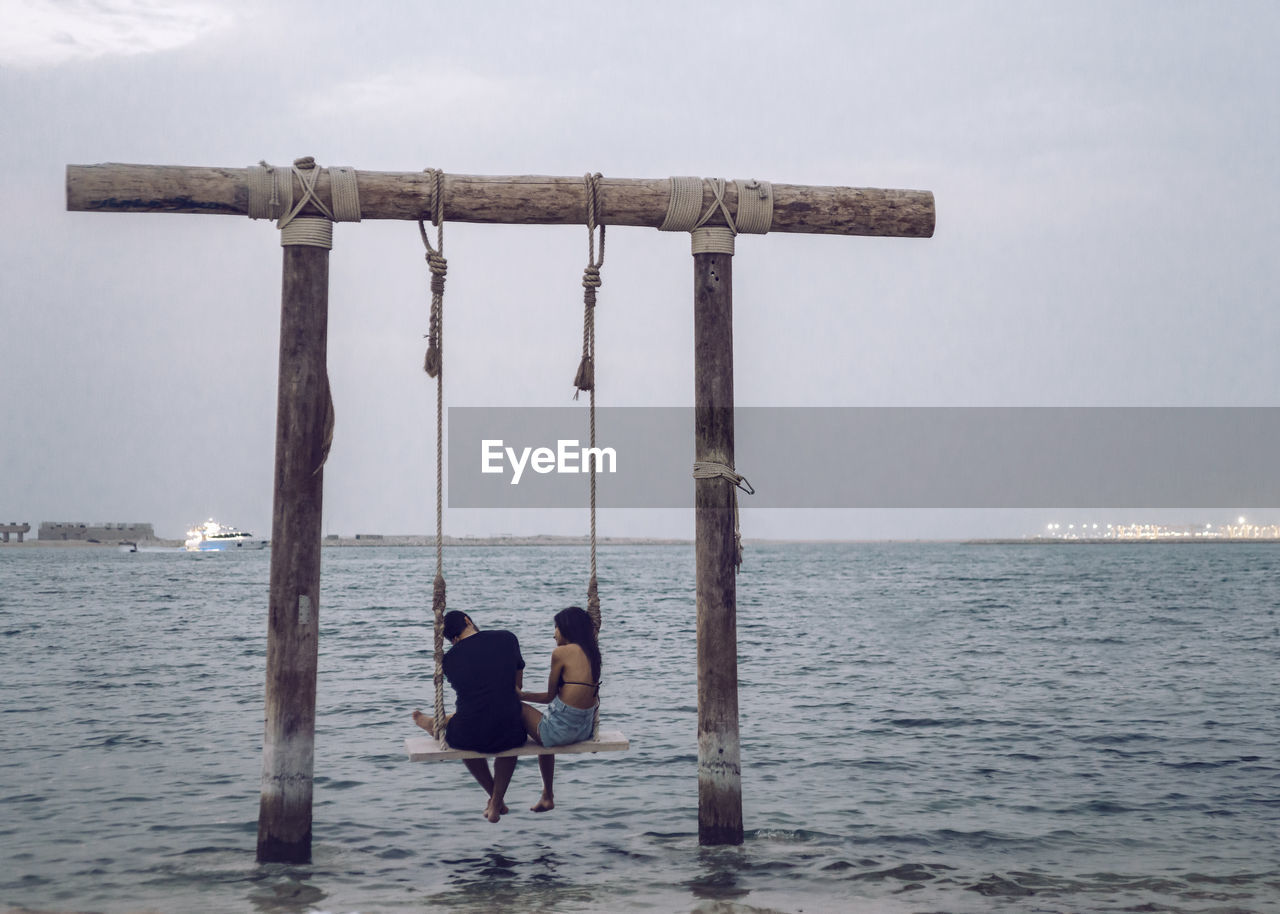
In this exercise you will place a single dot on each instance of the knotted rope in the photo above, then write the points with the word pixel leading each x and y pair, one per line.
pixel 434 366
pixel 271 197
pixel 585 379
pixel 710 469
pixel 685 213
pixel 439 270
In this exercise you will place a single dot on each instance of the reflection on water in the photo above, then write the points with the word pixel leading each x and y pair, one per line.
pixel 718 880
pixel 285 891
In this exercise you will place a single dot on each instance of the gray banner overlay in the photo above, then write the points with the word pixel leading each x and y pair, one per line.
pixel 871 457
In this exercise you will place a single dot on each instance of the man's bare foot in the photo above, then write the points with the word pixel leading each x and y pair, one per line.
pixel 424 721
pixel 490 814
pixel 545 804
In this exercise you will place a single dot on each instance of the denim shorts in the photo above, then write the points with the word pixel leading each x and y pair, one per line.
pixel 564 724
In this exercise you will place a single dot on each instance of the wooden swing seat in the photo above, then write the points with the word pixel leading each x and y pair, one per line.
pixel 427 749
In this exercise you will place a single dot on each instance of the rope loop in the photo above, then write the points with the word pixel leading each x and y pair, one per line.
pixel 585 377
pixel 433 363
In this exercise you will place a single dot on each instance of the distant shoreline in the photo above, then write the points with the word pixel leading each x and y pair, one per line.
pixel 544 539
pixel 414 540
pixel 1133 541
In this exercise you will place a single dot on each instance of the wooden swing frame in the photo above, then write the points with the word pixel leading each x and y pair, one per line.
pixel 702 207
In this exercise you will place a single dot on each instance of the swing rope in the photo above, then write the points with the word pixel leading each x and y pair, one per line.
pixel 434 367
pixel 586 380
pixel 433 364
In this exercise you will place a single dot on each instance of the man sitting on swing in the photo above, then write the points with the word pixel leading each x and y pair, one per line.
pixel 486 671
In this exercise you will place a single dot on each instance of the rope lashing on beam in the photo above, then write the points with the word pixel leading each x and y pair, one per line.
pixel 270 191
pixel 710 469
pixel 344 193
pixel 755 206
pixel 433 365
pixel 683 205
pixel 685 213
pixel 271 197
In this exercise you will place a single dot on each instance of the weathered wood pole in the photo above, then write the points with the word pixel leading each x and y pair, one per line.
pixel 288 744
pixel 719 761
pixel 511 199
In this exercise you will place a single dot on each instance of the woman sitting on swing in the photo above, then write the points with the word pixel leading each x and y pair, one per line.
pixel 573 690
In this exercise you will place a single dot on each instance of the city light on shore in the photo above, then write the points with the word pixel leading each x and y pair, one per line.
pixel 1240 530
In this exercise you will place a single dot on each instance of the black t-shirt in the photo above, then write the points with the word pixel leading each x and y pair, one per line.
pixel 482 670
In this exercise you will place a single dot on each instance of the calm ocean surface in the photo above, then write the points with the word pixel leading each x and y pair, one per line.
pixel 925 728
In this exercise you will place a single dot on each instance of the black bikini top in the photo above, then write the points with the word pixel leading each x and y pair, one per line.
pixel 594 685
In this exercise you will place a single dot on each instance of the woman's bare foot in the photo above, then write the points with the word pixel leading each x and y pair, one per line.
pixel 544 804
pixel 424 721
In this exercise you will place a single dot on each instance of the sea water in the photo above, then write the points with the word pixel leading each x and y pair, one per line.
pixel 925 728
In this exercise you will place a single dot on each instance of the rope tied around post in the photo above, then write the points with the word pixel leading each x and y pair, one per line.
pixel 685 213
pixel 271 197
pixel 710 469
pixel 434 367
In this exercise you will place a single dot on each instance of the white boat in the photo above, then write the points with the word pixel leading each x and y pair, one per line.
pixel 212 536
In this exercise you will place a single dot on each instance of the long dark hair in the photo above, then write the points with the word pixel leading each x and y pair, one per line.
pixel 575 625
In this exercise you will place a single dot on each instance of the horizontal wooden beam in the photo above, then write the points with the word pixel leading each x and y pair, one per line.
pixel 522 199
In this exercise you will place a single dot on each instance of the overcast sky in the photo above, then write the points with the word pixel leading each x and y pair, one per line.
pixel 1105 177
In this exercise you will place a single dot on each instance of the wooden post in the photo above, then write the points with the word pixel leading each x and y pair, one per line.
pixel 288 745
pixel 719 761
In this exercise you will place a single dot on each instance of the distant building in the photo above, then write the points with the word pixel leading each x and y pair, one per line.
pixel 21 529
pixel 95 533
